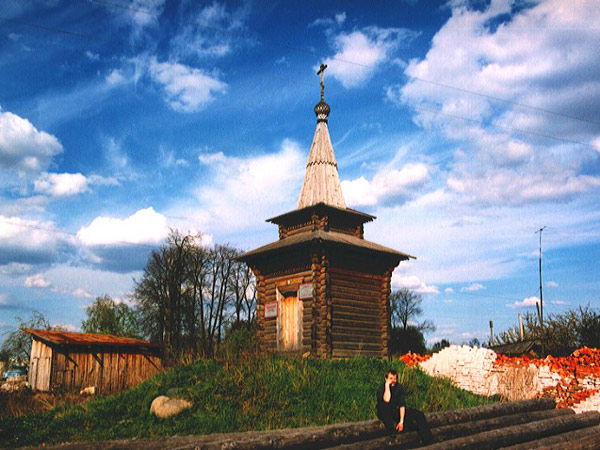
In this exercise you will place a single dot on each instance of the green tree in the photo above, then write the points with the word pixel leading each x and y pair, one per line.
pixel 440 345
pixel 407 340
pixel 17 345
pixel 562 333
pixel 104 315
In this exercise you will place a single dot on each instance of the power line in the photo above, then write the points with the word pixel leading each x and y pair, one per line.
pixel 505 128
pixel 45 28
pixel 498 99
pixel 346 61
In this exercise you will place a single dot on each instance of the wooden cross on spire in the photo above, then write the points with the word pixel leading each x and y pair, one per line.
pixel 322 73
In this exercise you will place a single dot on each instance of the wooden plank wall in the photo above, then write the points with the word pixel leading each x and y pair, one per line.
pixel 40 366
pixel 108 370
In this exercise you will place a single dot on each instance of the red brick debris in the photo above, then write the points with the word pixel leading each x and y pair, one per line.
pixel 411 359
pixel 581 363
pixel 584 362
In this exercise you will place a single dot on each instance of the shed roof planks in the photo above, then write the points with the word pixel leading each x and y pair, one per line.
pixel 89 339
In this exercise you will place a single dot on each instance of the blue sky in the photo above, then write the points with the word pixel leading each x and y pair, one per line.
pixel 463 126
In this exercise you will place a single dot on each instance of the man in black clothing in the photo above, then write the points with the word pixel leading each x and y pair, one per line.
pixel 392 410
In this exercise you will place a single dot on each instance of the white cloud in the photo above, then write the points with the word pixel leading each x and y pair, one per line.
pixel 500 186
pixel 448 290
pixel 239 193
pixel 187 89
pixel 67 327
pixel 558 302
pixel 23 147
pixel 340 18
pixel 81 293
pixel 25 241
pixel 92 56
pixel 61 184
pixel 472 287
pixel 115 77
pixel 528 302
pixel 37 281
pixel 413 282
pixel 145 226
pixel 212 158
pixel 211 32
pixel 139 14
pixel 551 284
pixel 387 185
pixel 360 52
pixel 524 57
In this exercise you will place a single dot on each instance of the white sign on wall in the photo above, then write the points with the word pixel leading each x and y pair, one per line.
pixel 305 291
pixel 270 310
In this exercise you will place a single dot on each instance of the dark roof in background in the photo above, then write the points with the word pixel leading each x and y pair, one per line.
pixel 332 237
pixel 70 338
pixel 291 215
pixel 517 348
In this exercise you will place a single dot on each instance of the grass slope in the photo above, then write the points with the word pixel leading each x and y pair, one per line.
pixel 263 394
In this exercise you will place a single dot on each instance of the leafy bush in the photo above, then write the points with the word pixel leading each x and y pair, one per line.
pixel 407 340
pixel 562 333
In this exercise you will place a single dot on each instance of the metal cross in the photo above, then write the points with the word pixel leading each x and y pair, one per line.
pixel 322 73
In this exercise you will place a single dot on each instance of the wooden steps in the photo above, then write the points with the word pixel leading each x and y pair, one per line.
pixel 522 425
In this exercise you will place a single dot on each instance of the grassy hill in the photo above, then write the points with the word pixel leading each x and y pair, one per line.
pixel 230 396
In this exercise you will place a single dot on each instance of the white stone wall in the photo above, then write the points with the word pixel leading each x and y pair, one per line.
pixel 469 367
pixel 473 369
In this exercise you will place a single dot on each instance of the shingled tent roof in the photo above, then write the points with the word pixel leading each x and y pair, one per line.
pixel 331 237
pixel 321 180
pixel 88 339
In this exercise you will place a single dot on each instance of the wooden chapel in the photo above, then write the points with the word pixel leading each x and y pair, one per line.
pixel 322 289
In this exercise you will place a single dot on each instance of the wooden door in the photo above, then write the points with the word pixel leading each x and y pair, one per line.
pixel 43 373
pixel 33 373
pixel 290 323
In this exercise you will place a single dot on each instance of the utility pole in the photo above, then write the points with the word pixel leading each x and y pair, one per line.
pixel 521 326
pixel 541 310
pixel 541 304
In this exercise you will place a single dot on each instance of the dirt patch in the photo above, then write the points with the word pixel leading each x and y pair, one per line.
pixel 24 401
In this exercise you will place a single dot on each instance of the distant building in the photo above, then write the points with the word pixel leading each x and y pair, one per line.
pixel 74 361
pixel 322 289
pixel 530 347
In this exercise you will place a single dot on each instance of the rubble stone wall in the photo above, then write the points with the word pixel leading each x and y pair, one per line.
pixel 572 381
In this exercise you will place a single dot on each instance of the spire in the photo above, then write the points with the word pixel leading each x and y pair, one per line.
pixel 321 181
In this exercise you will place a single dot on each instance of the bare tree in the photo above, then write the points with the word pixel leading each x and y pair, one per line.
pixel 406 307
pixel 243 290
pixel 159 293
pixel 189 294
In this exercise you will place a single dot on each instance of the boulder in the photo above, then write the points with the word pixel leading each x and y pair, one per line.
pixel 90 390
pixel 163 406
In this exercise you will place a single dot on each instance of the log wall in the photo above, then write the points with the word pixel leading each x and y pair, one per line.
pixel 356 299
pixel 283 273
pixel 348 314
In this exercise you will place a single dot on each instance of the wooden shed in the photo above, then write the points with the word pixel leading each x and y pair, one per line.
pixel 322 289
pixel 74 361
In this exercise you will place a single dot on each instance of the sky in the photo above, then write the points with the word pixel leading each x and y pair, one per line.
pixel 464 126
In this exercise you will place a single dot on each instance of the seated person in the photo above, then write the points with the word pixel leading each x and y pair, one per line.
pixel 392 410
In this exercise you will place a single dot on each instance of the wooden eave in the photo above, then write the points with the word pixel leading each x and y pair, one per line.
pixel 65 339
pixel 304 214
pixel 326 237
